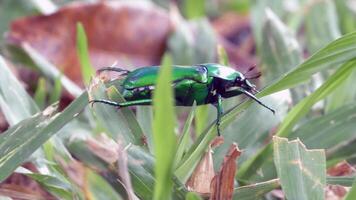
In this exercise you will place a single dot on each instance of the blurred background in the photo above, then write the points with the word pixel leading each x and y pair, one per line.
pixel 39 44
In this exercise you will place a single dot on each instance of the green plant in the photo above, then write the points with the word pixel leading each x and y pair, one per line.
pixel 161 160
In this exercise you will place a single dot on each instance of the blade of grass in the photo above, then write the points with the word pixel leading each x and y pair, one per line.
pixel 255 191
pixel 321 25
pixel 144 117
pixel 15 103
pixel 21 140
pixel 40 94
pixel 320 131
pixel 346 181
pixel 141 169
pixel 99 188
pixel 184 138
pixel 194 9
pixel 56 91
pixel 192 196
pixel 60 188
pixel 113 122
pixel 163 131
pixel 82 50
pixel 130 117
pixel 352 193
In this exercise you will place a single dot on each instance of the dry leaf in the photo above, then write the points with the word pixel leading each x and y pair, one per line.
pixel 342 168
pixel 222 185
pixel 104 147
pixel 19 186
pixel 202 175
pixel 204 172
pixel 129 33
pixel 123 172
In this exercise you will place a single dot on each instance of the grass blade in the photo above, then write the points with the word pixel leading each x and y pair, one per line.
pixel 82 50
pixel 21 140
pixel 163 131
pixel 194 9
pixel 302 172
pixel 346 181
pixel 352 193
pixel 184 138
pixel 144 117
pixel 15 103
pixel 255 191
pixel 40 94
pixel 113 121
pixel 337 52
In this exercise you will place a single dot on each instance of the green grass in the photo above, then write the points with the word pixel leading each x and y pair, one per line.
pixel 161 152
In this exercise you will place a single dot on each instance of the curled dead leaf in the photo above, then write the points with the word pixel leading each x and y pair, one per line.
pixel 204 172
pixel 342 168
pixel 222 185
pixel 131 34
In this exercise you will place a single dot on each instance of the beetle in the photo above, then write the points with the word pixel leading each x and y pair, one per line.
pixel 203 83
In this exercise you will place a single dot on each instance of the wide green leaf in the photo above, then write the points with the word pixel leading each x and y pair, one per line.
pixel 255 191
pixel 329 131
pixel 21 140
pixel 15 103
pixel 164 137
pixel 302 172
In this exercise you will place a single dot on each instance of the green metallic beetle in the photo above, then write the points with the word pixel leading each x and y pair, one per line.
pixel 203 84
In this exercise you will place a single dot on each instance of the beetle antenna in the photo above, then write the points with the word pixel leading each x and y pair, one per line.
pixel 258 101
pixel 257 75
pixel 250 69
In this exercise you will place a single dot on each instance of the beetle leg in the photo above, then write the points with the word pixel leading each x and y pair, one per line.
pixel 123 104
pixel 220 111
pixel 242 91
pixel 115 69
pixel 257 100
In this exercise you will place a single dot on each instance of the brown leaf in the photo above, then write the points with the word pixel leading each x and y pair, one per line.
pixel 19 186
pixel 222 185
pixel 342 168
pixel 104 147
pixel 204 172
pixel 123 172
pixel 131 34
pixel 335 192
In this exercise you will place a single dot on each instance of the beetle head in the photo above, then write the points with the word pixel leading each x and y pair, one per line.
pixel 243 82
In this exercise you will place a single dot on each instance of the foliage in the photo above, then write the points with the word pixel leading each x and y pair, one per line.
pixel 312 62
